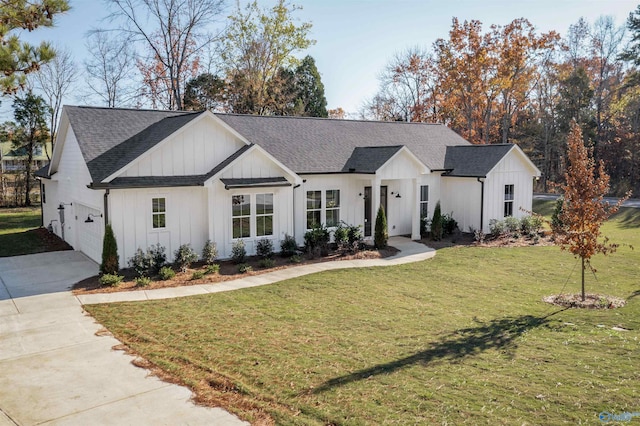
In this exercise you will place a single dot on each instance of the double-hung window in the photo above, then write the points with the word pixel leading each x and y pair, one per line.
pixel 508 200
pixel 158 213
pixel 241 216
pixel 424 201
pixel 332 212
pixel 264 215
pixel 314 208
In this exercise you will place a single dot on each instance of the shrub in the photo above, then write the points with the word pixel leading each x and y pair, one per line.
pixel 184 257
pixel 267 262
pixel 436 223
pixel 197 275
pixel 209 252
pixel 425 225
pixel 449 224
pixel 354 236
pixel 166 273
pixel 317 240
pixel 244 268
pixel 110 262
pixel 141 262
pixel 381 235
pixel 264 248
pixel 295 259
pixel 158 258
pixel 341 235
pixel 556 216
pixel 288 246
pixel 143 281
pixel 238 252
pixel 512 225
pixel 110 280
pixel 212 269
pixel 531 225
pixel 496 227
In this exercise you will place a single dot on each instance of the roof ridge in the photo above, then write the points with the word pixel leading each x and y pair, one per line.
pixel 347 120
pixel 181 112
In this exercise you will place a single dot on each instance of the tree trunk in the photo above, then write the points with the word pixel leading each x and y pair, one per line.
pixel 583 298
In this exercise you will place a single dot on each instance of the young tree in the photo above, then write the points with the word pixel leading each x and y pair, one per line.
pixel 381 234
pixel 173 31
pixel 54 81
pixel 29 132
pixel 583 209
pixel 18 59
pixel 109 263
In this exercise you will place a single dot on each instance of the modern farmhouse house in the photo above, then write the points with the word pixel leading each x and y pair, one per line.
pixel 173 177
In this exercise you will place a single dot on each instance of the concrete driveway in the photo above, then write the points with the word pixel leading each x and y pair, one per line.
pixel 55 370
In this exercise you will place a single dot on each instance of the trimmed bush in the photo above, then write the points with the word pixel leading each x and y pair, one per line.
pixel 209 252
pixel 449 224
pixel 110 262
pixel 238 252
pixel 436 223
pixel 496 227
pixel 143 281
pixel 166 273
pixel 316 240
pixel 197 275
pixel 295 259
pixel 381 235
pixel 158 258
pixel 110 280
pixel 288 246
pixel 264 248
pixel 212 269
pixel 531 225
pixel 512 225
pixel 267 263
pixel 141 262
pixel 556 216
pixel 341 235
pixel 184 257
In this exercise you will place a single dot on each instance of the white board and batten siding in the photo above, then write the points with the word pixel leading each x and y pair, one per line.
pixel 194 150
pixel 131 217
pixel 69 186
pixel 461 197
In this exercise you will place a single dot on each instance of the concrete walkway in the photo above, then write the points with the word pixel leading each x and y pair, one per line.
pixel 410 251
pixel 55 370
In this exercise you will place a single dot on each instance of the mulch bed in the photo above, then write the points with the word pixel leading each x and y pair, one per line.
pixel 50 241
pixel 592 301
pixel 467 239
pixel 228 271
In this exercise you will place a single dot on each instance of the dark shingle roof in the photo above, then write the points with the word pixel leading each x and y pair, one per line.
pixel 43 172
pixel 320 145
pixel 110 138
pixel 369 159
pixel 250 182
pixel 474 160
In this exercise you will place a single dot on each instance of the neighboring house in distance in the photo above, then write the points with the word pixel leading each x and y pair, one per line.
pixel 173 177
pixel 13 160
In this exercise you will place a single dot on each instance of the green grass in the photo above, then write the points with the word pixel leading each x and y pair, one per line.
pixel 463 338
pixel 17 234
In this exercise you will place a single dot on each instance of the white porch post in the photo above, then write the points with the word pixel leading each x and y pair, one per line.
pixel 415 211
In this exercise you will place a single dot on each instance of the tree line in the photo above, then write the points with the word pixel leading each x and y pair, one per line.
pixel 511 84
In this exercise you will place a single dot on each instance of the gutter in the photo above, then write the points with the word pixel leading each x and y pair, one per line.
pixel 106 208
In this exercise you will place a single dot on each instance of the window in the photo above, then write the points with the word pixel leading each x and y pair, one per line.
pixel 333 207
pixel 159 211
pixel 241 216
pixel 264 215
pixel 314 205
pixel 424 201
pixel 508 200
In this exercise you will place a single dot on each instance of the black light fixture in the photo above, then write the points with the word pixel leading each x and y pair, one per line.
pixel 61 206
pixel 91 215
pixel 397 194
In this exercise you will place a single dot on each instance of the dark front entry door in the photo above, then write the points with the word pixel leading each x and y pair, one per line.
pixel 369 214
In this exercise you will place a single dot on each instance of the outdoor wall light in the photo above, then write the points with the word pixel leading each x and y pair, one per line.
pixel 91 215
pixel 61 206
pixel 397 194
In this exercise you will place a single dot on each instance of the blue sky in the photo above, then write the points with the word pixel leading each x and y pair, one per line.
pixel 356 38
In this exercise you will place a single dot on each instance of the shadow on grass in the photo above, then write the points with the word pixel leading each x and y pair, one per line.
pixel 496 334
pixel 634 294
pixel 628 218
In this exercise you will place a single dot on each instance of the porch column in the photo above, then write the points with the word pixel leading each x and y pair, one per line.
pixel 415 211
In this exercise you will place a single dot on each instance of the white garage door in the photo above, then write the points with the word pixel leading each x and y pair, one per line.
pixel 89 234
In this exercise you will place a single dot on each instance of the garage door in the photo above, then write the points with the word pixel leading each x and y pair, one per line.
pixel 89 234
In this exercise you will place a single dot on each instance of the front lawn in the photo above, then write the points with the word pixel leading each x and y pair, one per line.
pixel 463 338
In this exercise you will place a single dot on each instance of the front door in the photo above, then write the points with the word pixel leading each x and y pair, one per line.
pixel 369 214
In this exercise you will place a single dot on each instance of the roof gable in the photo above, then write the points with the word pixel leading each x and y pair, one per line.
pixel 369 159
pixel 474 160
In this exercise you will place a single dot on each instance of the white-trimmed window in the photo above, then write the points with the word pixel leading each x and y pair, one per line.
pixel 264 215
pixel 424 200
pixel 508 200
pixel 241 216
pixel 314 208
pixel 158 212
pixel 333 207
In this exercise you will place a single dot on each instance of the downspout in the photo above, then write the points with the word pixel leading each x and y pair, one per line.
pixel 41 205
pixel 106 207
pixel 293 201
pixel 481 204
